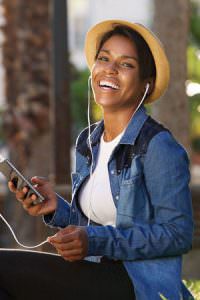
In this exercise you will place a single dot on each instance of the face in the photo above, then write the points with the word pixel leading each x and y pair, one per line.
pixel 115 75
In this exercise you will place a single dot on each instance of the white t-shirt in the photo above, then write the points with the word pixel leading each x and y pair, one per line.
pixel 95 196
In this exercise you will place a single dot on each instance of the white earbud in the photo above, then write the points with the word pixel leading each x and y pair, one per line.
pixel 147 87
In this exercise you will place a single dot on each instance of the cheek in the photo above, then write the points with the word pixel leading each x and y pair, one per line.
pixel 96 68
pixel 130 84
pixel 131 81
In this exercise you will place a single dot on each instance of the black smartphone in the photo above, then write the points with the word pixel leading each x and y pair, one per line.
pixel 12 174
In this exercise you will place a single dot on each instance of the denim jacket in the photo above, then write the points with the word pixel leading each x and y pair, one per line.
pixel 154 216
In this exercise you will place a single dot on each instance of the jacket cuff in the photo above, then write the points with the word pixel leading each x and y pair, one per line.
pixel 96 240
pixel 60 218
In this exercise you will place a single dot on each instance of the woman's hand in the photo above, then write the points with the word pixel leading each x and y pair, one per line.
pixel 71 242
pixel 45 188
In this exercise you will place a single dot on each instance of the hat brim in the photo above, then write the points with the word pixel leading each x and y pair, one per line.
pixel 95 34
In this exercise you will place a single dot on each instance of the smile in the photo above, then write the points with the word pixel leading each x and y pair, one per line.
pixel 108 85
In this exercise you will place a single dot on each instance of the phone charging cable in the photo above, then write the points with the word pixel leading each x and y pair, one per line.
pixel 21 245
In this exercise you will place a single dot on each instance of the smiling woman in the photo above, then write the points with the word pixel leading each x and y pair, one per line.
pixel 117 78
pixel 130 219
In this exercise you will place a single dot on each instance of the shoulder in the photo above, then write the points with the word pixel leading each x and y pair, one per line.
pixel 164 150
pixel 166 164
pixel 82 137
pixel 149 129
pixel 160 138
pixel 165 141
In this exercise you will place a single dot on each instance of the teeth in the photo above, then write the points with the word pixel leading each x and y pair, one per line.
pixel 105 83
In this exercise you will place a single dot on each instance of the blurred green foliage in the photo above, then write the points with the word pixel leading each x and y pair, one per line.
pixel 194 287
pixel 193 62
pixel 193 65
pixel 79 101
pixel 194 22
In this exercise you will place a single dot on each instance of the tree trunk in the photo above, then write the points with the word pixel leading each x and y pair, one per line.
pixel 26 54
pixel 171 22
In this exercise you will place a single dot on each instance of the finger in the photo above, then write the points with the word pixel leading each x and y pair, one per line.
pixel 61 238
pixel 70 253
pixel 66 246
pixel 39 180
pixel 33 210
pixel 69 229
pixel 28 202
pixel 11 186
pixel 21 194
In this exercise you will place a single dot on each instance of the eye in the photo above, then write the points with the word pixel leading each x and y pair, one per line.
pixel 102 58
pixel 127 65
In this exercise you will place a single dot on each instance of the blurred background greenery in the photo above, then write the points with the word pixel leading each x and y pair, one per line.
pixel 193 64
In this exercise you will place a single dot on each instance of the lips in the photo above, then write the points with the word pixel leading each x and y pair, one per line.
pixel 108 85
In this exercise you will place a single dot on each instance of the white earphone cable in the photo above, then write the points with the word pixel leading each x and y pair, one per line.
pixel 89 141
pixel 20 244
pixel 143 98
pixel 89 136
pixel 91 167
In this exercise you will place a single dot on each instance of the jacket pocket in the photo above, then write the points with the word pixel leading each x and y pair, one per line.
pixel 133 201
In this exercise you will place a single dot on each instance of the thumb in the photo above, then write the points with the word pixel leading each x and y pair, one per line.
pixel 64 231
pixel 58 237
pixel 68 229
pixel 39 180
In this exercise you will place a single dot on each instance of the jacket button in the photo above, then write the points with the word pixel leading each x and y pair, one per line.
pixel 117 197
pixel 112 172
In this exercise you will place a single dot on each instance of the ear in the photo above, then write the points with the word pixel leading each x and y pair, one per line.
pixel 151 82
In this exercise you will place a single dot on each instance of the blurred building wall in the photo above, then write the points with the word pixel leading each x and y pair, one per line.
pixel 84 14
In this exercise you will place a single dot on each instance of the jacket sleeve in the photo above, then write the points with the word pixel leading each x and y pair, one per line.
pixel 169 232
pixel 60 218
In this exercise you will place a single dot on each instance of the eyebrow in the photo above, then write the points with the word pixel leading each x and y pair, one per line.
pixel 122 56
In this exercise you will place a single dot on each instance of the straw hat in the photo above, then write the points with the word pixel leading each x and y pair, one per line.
pixel 95 34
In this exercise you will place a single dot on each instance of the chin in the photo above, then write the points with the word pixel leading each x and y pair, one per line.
pixel 105 103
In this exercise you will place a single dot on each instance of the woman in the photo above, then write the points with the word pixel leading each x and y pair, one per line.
pixel 130 216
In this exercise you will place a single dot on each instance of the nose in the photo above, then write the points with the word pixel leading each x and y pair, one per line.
pixel 111 68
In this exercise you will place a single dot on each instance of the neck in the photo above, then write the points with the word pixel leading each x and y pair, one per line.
pixel 115 123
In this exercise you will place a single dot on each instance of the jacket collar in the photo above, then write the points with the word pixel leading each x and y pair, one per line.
pixel 131 132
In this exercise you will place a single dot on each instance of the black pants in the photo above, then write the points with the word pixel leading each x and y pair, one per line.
pixel 28 275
